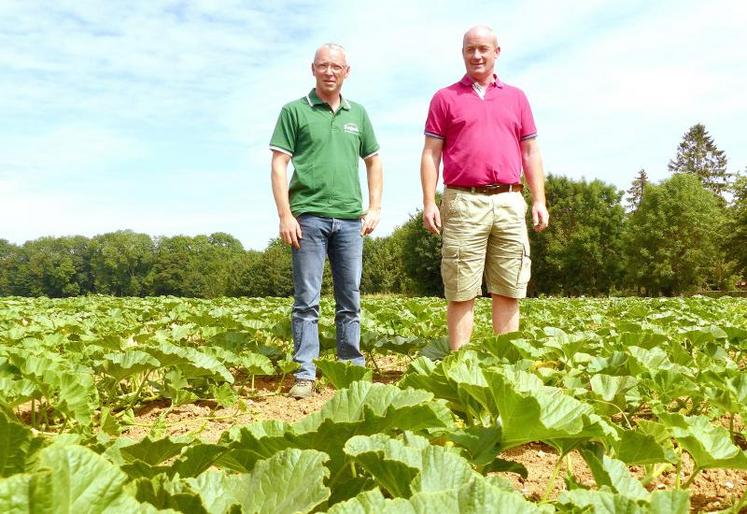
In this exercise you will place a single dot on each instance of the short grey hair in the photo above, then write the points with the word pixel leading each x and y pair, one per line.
pixel 333 46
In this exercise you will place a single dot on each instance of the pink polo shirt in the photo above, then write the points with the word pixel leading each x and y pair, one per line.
pixel 481 137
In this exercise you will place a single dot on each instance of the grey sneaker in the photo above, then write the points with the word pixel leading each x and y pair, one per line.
pixel 302 389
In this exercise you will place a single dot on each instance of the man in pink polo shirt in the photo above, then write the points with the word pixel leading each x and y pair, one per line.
pixel 483 131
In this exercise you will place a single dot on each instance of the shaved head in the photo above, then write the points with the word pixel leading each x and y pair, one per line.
pixel 482 32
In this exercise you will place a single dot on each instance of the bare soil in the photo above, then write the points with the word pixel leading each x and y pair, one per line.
pixel 712 490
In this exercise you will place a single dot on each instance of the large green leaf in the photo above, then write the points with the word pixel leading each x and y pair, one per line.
pixel 343 373
pixel 27 494
pixel 152 452
pixel 457 379
pixel 189 361
pixel 254 442
pixel 640 447
pixel 610 388
pixel 16 444
pixel 393 463
pixel 198 458
pixel 213 487
pixel 82 481
pixel 381 406
pixel 613 473
pixel 290 481
pixel 710 446
pixel 366 408
pixel 124 364
pixel 256 364
pixel 475 497
pixel 531 411
pixel 607 502
pixel 443 469
pixel 373 502
pixel 165 493
pixel 481 445
pixel 669 502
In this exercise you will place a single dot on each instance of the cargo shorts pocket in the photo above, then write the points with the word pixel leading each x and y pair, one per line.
pixel 525 267
pixel 450 267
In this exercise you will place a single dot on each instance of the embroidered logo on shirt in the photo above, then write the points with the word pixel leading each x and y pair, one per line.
pixel 350 128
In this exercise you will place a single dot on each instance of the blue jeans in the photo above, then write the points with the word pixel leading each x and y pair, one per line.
pixel 341 241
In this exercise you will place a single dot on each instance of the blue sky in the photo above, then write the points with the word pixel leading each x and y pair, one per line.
pixel 156 115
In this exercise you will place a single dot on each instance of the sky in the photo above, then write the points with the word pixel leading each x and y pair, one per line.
pixel 156 115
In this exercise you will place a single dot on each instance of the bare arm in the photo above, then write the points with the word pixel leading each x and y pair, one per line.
pixel 290 230
pixel 531 160
pixel 430 162
pixel 375 174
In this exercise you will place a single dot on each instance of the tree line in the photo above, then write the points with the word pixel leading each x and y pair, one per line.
pixel 684 234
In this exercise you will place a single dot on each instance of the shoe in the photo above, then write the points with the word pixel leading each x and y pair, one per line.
pixel 302 389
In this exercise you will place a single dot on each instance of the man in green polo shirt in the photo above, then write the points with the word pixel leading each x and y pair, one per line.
pixel 321 212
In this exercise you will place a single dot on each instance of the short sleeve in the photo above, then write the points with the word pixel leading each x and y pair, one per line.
pixel 284 136
pixel 528 129
pixel 436 121
pixel 369 145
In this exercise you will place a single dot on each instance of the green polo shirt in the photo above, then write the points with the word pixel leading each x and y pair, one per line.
pixel 324 147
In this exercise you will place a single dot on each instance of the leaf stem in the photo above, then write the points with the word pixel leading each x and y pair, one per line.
pixel 553 477
pixel 138 391
pixel 695 472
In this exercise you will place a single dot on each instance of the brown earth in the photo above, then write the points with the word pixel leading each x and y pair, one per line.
pixel 712 490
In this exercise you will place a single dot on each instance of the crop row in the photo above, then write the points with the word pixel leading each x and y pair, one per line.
pixel 624 382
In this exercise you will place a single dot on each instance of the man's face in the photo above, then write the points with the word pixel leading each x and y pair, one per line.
pixel 480 52
pixel 330 70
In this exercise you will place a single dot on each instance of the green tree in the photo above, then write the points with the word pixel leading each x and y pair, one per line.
pixel 382 265
pixel 120 263
pixel 51 266
pixel 580 252
pixel 736 226
pixel 242 281
pixel 420 258
pixel 635 193
pixel 176 267
pixel 198 267
pixel 698 155
pixel 8 256
pixel 673 237
pixel 273 274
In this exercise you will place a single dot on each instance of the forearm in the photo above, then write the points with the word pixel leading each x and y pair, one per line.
pixel 375 173
pixel 279 178
pixel 534 172
pixel 430 162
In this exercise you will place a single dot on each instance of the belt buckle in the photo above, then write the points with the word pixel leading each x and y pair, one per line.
pixel 510 188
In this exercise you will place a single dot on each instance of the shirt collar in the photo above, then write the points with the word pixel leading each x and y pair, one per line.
pixel 314 100
pixel 467 81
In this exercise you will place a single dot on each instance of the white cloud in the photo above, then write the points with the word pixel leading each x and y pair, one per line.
pixel 67 150
pixel 144 94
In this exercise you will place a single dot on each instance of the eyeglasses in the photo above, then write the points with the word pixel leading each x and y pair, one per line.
pixel 324 66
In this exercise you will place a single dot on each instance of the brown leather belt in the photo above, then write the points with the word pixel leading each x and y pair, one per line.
pixel 490 189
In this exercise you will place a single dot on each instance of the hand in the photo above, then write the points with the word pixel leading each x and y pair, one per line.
pixel 290 231
pixel 370 221
pixel 540 216
pixel 432 218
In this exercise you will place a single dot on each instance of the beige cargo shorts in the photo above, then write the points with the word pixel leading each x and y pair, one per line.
pixel 484 235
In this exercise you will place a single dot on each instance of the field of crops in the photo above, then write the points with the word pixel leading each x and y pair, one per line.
pixel 634 405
